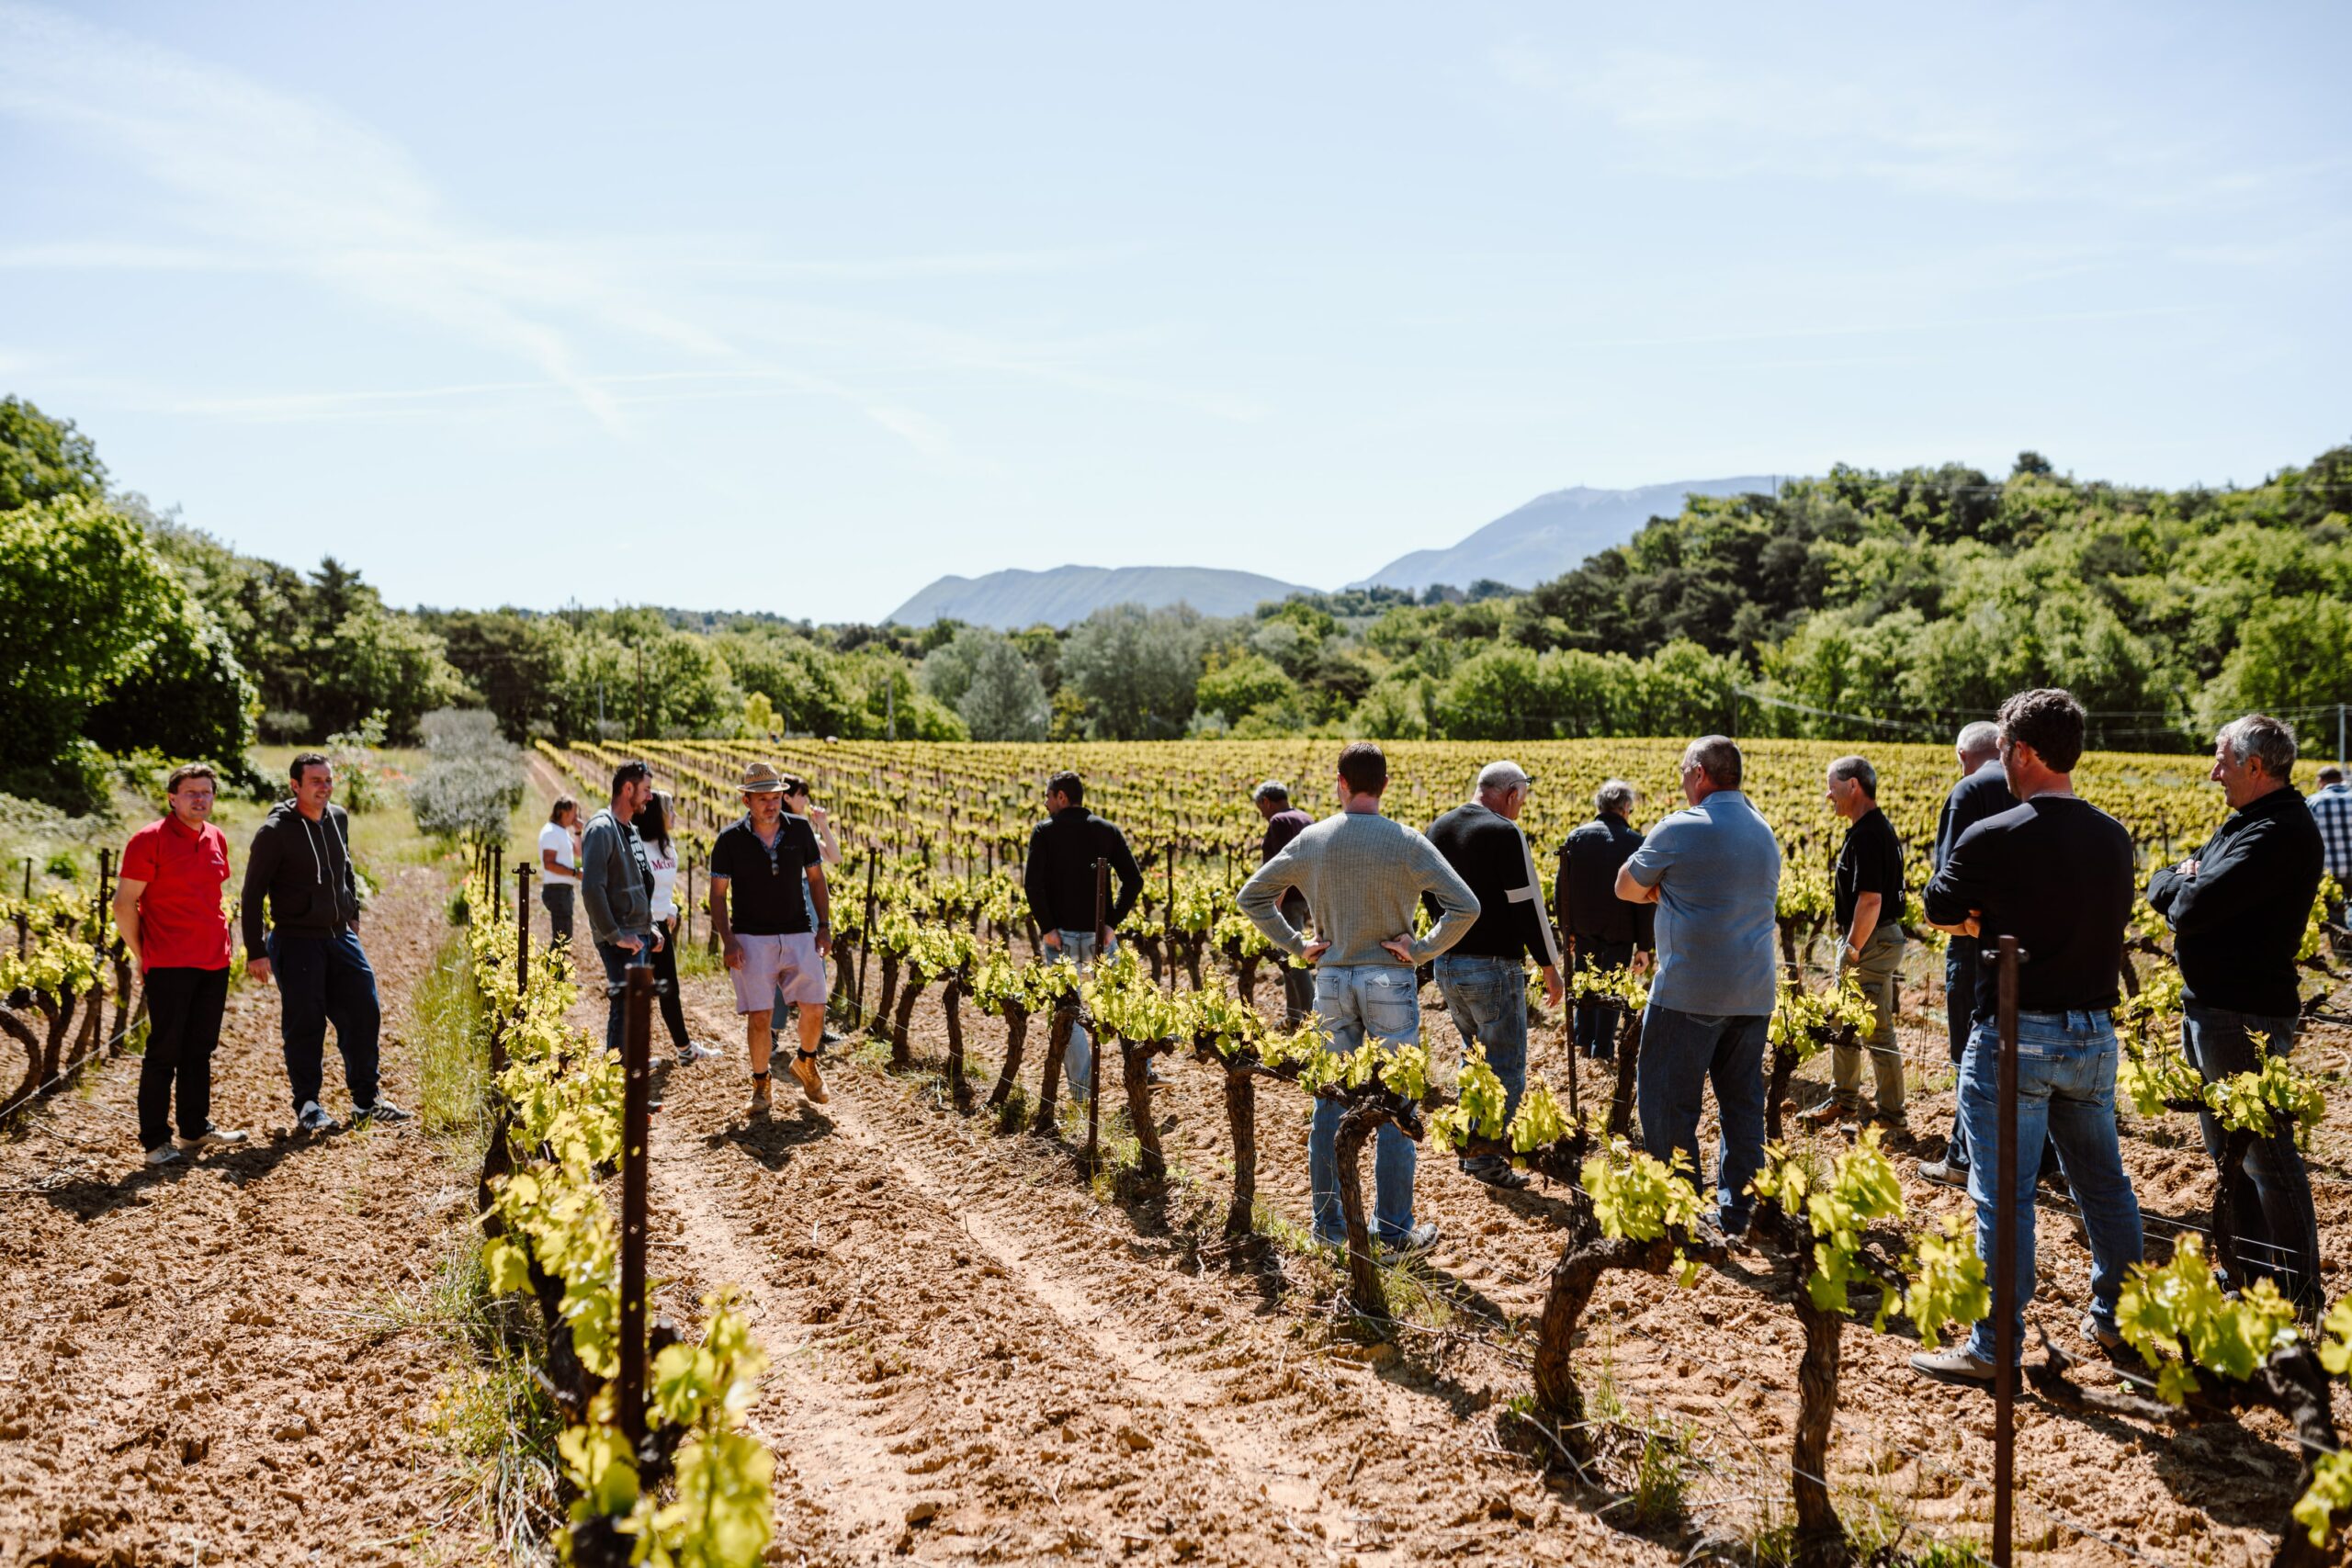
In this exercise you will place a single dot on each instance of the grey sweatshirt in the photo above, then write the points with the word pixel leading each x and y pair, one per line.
pixel 616 884
pixel 1363 875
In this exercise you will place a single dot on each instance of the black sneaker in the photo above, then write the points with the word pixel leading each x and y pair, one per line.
pixel 313 1118
pixel 1497 1174
pixel 382 1111
pixel 1412 1244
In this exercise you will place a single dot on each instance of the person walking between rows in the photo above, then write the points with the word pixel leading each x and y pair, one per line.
pixel 1363 875
pixel 656 824
pixel 1059 880
pixel 299 866
pixel 167 908
pixel 1604 932
pixel 2331 806
pixel 617 885
pixel 797 800
pixel 559 868
pixel 2238 909
pixel 1483 978
pixel 1713 870
pixel 2056 872
pixel 1868 904
pixel 774 942
pixel 1284 822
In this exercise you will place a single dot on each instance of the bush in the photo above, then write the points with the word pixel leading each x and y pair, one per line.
pixel 469 797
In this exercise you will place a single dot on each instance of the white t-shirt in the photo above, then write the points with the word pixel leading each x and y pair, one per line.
pixel 665 865
pixel 567 855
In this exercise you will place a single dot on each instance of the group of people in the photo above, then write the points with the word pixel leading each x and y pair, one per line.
pixel 2017 854
pixel 300 931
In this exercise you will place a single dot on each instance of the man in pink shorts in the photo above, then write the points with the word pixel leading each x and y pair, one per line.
pixel 774 940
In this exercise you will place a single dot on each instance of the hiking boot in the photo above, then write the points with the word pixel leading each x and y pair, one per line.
pixel 313 1118
pixel 1959 1364
pixel 1496 1173
pixel 1827 1113
pixel 759 1094
pixel 1412 1244
pixel 1943 1170
pixel 382 1111
pixel 211 1138
pixel 164 1153
pixel 804 1070
pixel 2101 1333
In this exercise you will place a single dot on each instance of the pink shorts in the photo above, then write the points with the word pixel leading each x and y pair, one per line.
pixel 773 964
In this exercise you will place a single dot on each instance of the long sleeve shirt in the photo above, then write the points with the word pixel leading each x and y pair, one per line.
pixel 615 885
pixel 1363 875
pixel 2236 922
pixel 2055 872
pixel 2331 810
pixel 1059 878
pixel 1490 852
pixel 1585 890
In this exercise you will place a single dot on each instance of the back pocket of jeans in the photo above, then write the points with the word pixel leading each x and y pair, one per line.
pixel 1392 1004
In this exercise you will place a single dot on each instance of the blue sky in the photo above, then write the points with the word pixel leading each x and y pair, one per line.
pixel 795 308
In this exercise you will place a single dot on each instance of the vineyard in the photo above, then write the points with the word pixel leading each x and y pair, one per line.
pixel 1673 1406
pixel 952 1314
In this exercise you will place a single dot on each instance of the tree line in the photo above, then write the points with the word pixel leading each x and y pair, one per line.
pixel 1859 603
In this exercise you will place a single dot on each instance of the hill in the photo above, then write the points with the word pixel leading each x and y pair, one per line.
pixel 1013 598
pixel 1550 534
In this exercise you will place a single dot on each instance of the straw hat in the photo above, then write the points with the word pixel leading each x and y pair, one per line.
pixel 758 778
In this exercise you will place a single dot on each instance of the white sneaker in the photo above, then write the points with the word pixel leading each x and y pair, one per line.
pixel 313 1118
pixel 212 1138
pixel 164 1153
pixel 697 1050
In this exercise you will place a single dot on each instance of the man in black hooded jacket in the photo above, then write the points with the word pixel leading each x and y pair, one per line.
pixel 300 862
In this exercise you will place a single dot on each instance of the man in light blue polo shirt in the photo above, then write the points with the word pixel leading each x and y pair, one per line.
pixel 1714 873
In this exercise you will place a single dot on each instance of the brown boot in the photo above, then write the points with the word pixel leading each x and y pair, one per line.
pixel 1832 1110
pixel 759 1094
pixel 804 1068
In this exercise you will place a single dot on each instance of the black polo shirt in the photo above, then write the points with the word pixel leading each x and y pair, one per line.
pixel 1871 861
pixel 764 880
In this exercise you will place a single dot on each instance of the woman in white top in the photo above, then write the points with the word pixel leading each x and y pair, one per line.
pixel 560 864
pixel 654 825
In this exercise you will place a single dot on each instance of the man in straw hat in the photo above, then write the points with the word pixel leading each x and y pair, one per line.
pixel 774 942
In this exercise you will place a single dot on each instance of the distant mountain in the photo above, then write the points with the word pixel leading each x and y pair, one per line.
pixel 1550 534
pixel 1011 599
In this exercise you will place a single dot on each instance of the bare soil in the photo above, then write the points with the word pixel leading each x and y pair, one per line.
pixel 980 1356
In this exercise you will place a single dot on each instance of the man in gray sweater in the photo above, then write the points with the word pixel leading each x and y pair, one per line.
pixel 616 887
pixel 1363 875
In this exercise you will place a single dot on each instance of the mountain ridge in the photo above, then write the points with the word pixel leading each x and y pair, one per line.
pixel 1017 596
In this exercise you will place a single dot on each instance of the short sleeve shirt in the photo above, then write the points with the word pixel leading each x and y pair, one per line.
pixel 567 854
pixel 1716 867
pixel 1871 861
pixel 763 885
pixel 182 921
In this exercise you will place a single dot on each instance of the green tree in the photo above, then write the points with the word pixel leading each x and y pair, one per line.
pixel 1243 685
pixel 1004 700
pixel 1497 694
pixel 1136 670
pixel 2296 655
pixel 44 459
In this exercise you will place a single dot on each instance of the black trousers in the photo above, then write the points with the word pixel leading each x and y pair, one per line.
pixel 665 986
pixel 184 1009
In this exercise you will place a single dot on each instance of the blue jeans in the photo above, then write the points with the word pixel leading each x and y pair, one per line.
pixel 1682 1054
pixel 618 962
pixel 1487 998
pixel 2277 1231
pixel 1959 1006
pixel 324 980
pixel 1597 1019
pixel 2066 1095
pixel 1356 1001
pixel 1078 1056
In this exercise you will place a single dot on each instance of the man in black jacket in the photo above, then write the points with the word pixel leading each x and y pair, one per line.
pixel 1483 978
pixel 1059 880
pixel 1284 822
pixel 1603 931
pixel 300 862
pixel 2238 908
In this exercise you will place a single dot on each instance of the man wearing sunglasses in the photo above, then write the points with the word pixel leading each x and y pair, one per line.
pixel 774 942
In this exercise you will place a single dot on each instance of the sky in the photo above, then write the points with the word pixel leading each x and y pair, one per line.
pixel 795 308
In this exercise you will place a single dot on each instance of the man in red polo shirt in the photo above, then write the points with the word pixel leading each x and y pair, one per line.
pixel 169 913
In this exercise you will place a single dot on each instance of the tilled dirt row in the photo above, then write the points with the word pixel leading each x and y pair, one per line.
pixel 929 1260
pixel 207 1363
pixel 976 1361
